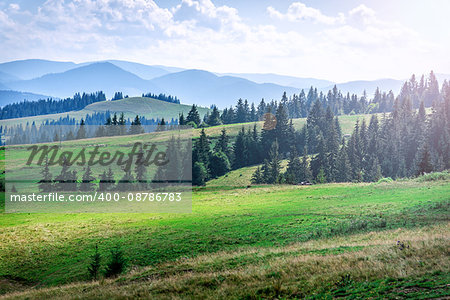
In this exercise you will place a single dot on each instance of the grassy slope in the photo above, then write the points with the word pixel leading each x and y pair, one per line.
pixel 347 124
pixel 238 178
pixel 49 249
pixel 148 107
pixel 370 265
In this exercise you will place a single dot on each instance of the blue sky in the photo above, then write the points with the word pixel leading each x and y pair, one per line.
pixel 335 40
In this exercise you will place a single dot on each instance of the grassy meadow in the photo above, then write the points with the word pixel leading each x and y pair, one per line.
pixel 289 241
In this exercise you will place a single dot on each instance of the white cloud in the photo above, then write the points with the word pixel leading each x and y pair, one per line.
pixel 14 6
pixel 362 14
pixel 298 11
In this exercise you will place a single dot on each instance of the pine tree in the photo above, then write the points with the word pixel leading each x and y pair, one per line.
pixel 181 120
pixel 222 143
pixel 117 263
pixel 321 177
pixel 274 165
pixel 81 134
pixel 136 126
pixel 201 150
pixel 122 129
pixel 219 164
pixel 193 116
pixel 268 134
pixel 87 184
pixel 214 118
pixel 320 159
pixel 45 184
pixel 425 162
pixel 305 172
pixel 344 168
pixel 94 266
pixel 282 129
pixel 56 137
pixel 240 150
pixel 241 113
pixel 63 180
pixel 199 174
pixel 140 170
pixel 294 168
pixel 257 177
pixel 126 183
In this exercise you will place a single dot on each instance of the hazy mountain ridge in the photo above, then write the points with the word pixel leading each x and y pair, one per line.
pixel 205 88
pixel 33 68
pixel 103 76
pixel 297 82
pixel 63 79
pixel 8 97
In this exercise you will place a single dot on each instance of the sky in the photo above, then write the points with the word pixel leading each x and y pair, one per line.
pixel 334 40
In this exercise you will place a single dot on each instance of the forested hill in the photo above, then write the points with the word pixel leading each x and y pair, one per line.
pixel 77 102
pixel 404 143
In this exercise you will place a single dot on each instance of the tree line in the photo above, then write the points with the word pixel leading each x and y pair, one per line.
pixel 77 102
pixel 425 90
pixel 163 97
pixel 49 106
pixel 50 131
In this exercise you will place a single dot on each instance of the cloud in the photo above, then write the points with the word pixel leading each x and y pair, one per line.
pixel 14 7
pixel 362 15
pixel 202 34
pixel 298 11
pixel 364 29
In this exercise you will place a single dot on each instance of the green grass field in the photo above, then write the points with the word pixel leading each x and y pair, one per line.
pixel 268 235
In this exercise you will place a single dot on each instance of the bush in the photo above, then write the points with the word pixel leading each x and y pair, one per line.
pixel 117 263
pixel 385 180
pixel 192 124
pixel 444 175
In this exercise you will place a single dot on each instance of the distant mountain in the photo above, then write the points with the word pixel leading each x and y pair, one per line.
pixel 8 97
pixel 143 71
pixel 170 69
pixel 205 88
pixel 358 87
pixel 90 78
pixel 298 82
pixel 62 79
pixel 32 68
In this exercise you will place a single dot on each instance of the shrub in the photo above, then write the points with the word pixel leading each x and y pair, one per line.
pixel 444 175
pixel 385 180
pixel 117 263
pixel 192 124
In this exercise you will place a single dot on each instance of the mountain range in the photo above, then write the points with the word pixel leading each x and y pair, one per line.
pixel 34 78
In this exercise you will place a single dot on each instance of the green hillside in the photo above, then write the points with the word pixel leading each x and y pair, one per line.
pixel 148 107
pixel 276 241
